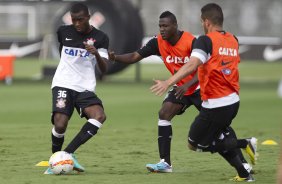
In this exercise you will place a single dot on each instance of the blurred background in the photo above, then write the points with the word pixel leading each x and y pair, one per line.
pixel 29 28
pixel 29 48
pixel 29 56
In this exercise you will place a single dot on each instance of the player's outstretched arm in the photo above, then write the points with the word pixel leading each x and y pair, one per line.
pixel 160 87
pixel 129 58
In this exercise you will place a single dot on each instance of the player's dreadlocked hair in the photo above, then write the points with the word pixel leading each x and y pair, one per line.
pixel 212 12
pixel 168 14
pixel 78 7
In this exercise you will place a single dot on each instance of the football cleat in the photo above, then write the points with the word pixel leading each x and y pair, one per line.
pixel 250 178
pixel 248 167
pixel 161 167
pixel 76 165
pixel 251 149
pixel 48 171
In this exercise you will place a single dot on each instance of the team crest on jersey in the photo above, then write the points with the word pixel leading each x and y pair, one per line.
pixel 90 40
pixel 226 71
pixel 61 103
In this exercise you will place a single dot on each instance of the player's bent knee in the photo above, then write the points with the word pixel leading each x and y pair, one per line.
pixel 60 123
pixel 164 114
pixel 60 128
pixel 101 118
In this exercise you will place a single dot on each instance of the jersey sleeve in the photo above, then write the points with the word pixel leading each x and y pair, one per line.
pixel 59 37
pixel 193 43
pixel 103 47
pixel 104 42
pixel 236 40
pixel 202 48
pixel 151 48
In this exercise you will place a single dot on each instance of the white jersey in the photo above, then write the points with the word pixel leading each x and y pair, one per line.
pixel 76 69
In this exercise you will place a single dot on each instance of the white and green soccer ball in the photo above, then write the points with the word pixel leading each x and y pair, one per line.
pixel 61 162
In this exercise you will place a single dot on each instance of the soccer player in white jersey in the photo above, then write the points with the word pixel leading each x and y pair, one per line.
pixel 82 47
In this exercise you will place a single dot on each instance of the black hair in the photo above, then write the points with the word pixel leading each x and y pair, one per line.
pixel 168 14
pixel 212 12
pixel 79 7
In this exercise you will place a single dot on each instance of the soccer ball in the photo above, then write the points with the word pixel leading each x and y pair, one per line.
pixel 61 162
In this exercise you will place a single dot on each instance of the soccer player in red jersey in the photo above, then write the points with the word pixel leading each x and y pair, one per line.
pixel 215 55
pixel 174 47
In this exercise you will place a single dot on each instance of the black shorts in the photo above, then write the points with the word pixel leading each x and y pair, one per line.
pixel 65 100
pixel 210 123
pixel 186 101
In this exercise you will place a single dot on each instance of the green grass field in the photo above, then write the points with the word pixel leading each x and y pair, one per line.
pixel 128 139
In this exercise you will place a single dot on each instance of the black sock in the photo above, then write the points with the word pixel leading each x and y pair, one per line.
pixel 164 141
pixel 242 143
pixel 228 155
pixel 87 131
pixel 238 150
pixel 57 143
pixel 237 164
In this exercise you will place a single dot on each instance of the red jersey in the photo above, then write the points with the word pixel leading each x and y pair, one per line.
pixel 175 56
pixel 219 76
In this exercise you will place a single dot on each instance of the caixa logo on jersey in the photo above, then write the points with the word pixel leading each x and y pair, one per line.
pixel 76 52
pixel 177 59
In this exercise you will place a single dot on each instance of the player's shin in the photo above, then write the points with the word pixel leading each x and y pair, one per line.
pixel 164 139
pixel 88 130
pixel 236 162
pixel 231 133
pixel 57 141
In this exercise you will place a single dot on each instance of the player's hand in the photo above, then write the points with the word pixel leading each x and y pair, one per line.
pixel 111 55
pixel 90 48
pixel 180 91
pixel 160 87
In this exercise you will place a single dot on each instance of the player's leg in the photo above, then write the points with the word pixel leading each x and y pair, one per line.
pixel 233 156
pixel 60 122
pixel 225 143
pixel 204 135
pixel 230 132
pixel 215 122
pixel 96 117
pixel 166 113
pixel 234 160
pixel 170 107
pixel 89 106
pixel 62 109
pixel 223 117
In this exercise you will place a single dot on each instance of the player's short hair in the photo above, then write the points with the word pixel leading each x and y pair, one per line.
pixel 212 12
pixel 79 7
pixel 168 14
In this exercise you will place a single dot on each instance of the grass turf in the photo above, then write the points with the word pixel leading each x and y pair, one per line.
pixel 128 140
